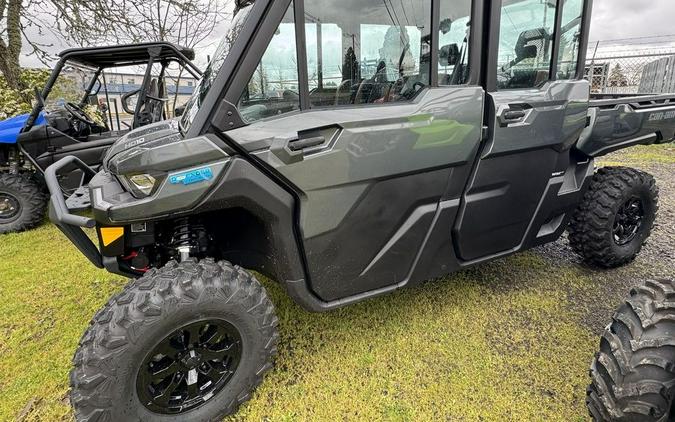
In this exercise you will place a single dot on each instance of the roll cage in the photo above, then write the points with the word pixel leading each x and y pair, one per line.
pixel 100 58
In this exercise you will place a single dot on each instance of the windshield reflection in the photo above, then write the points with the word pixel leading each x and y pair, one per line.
pixel 211 72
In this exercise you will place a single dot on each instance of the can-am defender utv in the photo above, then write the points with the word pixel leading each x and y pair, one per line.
pixel 59 127
pixel 347 151
pixel 633 374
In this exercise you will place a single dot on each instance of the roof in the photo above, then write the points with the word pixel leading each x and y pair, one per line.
pixel 128 54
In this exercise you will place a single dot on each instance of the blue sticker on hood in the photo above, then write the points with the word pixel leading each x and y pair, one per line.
pixel 193 176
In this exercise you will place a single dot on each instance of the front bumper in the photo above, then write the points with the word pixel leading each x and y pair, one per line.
pixel 62 214
pixel 71 224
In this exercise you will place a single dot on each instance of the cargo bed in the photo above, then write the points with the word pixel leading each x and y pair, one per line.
pixel 620 121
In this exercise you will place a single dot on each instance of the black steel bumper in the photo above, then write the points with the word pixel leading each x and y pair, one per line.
pixel 62 214
pixel 71 224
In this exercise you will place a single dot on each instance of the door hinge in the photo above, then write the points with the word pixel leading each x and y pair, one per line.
pixel 484 133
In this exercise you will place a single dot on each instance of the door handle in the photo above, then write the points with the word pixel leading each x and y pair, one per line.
pixel 292 151
pixel 507 116
pixel 304 143
pixel 514 114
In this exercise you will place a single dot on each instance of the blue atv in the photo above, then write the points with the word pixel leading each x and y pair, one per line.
pixel 31 142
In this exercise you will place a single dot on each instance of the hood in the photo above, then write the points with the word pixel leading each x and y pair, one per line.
pixel 10 128
pixel 158 150
pixel 141 139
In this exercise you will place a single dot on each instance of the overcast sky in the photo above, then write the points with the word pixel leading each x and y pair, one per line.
pixel 612 20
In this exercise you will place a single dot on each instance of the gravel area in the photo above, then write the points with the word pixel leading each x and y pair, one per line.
pixel 608 288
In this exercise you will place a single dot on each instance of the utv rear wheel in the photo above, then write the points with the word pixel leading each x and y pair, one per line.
pixel 23 203
pixel 190 341
pixel 633 375
pixel 615 217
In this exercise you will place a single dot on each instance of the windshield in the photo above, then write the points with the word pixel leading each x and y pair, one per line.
pixel 211 72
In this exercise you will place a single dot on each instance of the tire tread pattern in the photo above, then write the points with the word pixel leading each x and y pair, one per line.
pixel 34 201
pixel 633 375
pixel 591 225
pixel 118 323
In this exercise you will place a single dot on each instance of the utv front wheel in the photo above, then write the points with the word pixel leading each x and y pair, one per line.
pixel 22 203
pixel 190 341
pixel 634 373
pixel 615 218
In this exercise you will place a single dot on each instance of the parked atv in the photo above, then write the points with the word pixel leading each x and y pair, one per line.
pixel 57 128
pixel 634 372
pixel 407 152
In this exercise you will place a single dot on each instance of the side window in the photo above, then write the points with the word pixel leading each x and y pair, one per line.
pixel 570 33
pixel 273 89
pixel 453 54
pixel 525 43
pixel 367 52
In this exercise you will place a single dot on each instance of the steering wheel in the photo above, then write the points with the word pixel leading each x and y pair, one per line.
pixel 78 113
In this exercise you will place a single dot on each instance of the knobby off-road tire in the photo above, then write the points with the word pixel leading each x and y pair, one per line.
pixel 615 217
pixel 633 375
pixel 23 203
pixel 106 381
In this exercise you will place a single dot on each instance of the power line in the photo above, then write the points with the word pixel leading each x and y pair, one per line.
pixel 634 38
pixel 404 13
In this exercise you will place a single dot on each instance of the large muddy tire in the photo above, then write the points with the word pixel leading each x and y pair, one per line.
pixel 190 341
pixel 23 203
pixel 615 218
pixel 633 375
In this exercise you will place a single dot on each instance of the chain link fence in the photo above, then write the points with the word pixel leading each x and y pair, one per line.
pixel 632 66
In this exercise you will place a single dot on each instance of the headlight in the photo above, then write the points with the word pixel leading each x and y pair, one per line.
pixel 140 185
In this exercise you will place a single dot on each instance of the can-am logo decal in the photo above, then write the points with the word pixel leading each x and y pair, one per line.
pixel 193 176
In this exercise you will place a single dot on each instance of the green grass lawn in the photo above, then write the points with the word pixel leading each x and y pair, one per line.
pixel 504 340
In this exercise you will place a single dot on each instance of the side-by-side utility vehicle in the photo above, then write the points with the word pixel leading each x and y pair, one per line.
pixel 75 114
pixel 345 149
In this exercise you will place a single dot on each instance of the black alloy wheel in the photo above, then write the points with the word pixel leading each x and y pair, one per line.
pixel 189 367
pixel 628 221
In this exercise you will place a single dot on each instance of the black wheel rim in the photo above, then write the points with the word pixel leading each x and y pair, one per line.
pixel 628 221
pixel 9 207
pixel 189 367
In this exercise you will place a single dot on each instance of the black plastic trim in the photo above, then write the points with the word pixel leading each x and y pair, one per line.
pixel 583 41
pixel 491 35
pixel 555 51
pixel 435 39
pixel 301 51
pixel 476 37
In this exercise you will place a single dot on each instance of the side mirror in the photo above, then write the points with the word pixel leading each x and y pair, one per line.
pixel 179 111
pixel 449 55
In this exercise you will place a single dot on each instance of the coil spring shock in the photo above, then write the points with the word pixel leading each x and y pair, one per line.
pixel 189 238
pixel 14 161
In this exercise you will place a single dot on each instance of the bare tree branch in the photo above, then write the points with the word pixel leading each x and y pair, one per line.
pixel 91 22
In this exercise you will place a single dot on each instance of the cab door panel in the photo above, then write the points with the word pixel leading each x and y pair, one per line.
pixel 522 155
pixel 368 195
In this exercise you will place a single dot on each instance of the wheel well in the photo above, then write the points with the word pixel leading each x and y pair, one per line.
pixel 243 239
pixel 4 154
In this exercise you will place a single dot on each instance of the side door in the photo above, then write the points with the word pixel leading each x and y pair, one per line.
pixel 388 130
pixel 536 110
